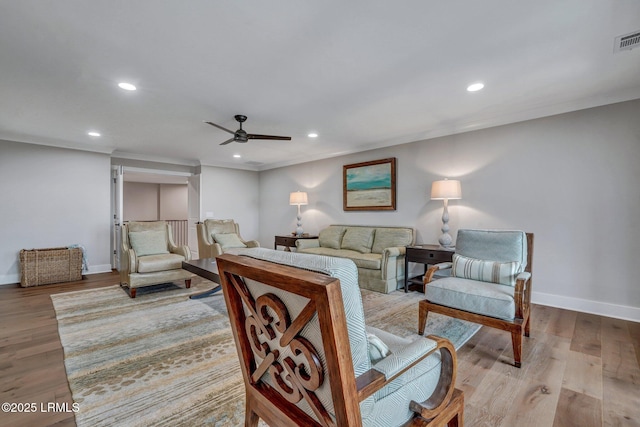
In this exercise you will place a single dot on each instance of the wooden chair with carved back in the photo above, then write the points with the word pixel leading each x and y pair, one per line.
pixel 308 359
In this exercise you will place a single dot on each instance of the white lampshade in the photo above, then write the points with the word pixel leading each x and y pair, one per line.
pixel 446 189
pixel 298 198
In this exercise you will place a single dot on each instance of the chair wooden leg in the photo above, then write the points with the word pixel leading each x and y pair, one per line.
pixel 456 421
pixel 516 338
pixel 423 312
pixel 132 292
pixel 527 326
pixel 187 283
pixel 250 418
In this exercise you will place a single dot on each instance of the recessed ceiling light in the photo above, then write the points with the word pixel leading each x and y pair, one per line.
pixel 237 156
pixel 93 133
pixel 126 86
pixel 312 135
pixel 475 87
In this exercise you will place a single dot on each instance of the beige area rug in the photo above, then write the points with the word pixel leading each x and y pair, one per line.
pixel 162 359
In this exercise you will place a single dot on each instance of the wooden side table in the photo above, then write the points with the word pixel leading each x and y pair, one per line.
pixel 289 241
pixel 427 255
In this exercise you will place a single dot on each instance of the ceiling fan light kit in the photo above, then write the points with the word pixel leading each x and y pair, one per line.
pixel 242 136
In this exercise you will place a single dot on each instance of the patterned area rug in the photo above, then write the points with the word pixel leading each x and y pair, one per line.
pixel 162 359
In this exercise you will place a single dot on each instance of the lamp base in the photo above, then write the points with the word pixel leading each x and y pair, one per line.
pixel 445 240
pixel 299 224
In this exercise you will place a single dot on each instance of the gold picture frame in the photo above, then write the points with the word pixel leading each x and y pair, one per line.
pixel 369 186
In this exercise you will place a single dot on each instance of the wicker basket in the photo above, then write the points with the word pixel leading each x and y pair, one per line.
pixel 51 265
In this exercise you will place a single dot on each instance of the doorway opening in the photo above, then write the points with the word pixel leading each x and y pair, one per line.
pixel 154 195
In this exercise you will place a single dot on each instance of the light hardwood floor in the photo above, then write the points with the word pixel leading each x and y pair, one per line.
pixel 578 369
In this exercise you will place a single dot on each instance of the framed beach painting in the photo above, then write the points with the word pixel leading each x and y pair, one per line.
pixel 369 186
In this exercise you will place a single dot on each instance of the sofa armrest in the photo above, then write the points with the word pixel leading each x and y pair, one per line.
pixel 525 275
pixel 206 246
pixel 522 293
pixel 213 250
pixel 394 365
pixel 129 261
pixel 182 250
pixel 252 243
pixel 307 243
pixel 393 251
pixel 389 261
pixel 431 271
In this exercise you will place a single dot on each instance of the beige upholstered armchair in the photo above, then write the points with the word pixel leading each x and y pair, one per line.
pixel 150 257
pixel 217 235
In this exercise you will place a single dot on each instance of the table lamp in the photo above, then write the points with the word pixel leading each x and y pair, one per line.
pixel 298 198
pixel 444 190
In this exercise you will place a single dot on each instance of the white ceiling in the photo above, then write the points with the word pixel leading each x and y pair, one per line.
pixel 363 74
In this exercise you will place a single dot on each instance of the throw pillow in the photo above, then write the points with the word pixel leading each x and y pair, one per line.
pixel 148 242
pixel 378 350
pixel 228 240
pixel 331 237
pixel 503 273
pixel 358 239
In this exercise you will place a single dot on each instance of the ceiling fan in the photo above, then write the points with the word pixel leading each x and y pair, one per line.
pixel 242 136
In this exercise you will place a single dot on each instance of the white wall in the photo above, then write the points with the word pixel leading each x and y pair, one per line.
pixel 143 201
pixel 232 194
pixel 572 179
pixel 140 201
pixel 173 201
pixel 53 197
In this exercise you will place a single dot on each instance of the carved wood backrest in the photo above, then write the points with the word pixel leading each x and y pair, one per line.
pixel 290 331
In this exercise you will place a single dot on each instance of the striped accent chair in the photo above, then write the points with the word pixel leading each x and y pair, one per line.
pixel 308 358
pixel 490 283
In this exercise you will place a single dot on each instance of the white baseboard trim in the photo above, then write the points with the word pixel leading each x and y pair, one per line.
pixel 9 279
pixel 95 269
pixel 587 306
pixel 12 279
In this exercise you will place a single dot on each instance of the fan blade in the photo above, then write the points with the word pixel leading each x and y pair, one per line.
pixel 227 141
pixel 220 127
pixel 280 138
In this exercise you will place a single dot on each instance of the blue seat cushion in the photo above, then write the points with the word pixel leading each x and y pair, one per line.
pixel 488 299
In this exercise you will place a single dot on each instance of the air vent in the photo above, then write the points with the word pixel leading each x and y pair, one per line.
pixel 253 163
pixel 627 41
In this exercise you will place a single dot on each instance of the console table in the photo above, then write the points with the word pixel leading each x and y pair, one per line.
pixel 289 241
pixel 427 255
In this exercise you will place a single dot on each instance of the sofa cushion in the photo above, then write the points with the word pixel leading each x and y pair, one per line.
pixel 370 261
pixel 228 240
pixel 163 262
pixel 391 237
pixel 358 239
pixel 148 242
pixel 503 273
pixel 489 299
pixel 331 237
